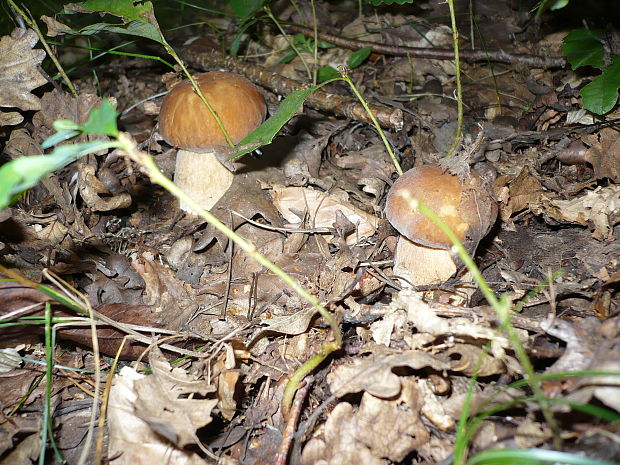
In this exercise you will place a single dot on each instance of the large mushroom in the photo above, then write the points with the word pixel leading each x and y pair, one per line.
pixel 465 205
pixel 185 122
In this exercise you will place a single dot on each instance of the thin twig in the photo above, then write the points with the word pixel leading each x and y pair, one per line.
pixel 501 56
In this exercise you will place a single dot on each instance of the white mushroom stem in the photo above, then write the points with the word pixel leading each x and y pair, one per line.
pixel 422 265
pixel 202 177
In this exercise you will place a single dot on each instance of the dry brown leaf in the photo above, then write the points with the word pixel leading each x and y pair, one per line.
pixel 96 195
pixel 604 154
pixel 321 208
pixel 163 403
pixel 19 73
pixel 378 429
pixel 599 208
pixel 525 190
pixel 425 320
pixel 55 27
pixel 293 324
pixel 374 374
pixel 470 360
pixel 132 441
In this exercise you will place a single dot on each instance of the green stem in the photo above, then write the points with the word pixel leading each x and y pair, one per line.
pixel 501 307
pixel 152 171
pixel 316 42
pixel 372 117
pixel 459 94
pixel 33 25
pixel 290 42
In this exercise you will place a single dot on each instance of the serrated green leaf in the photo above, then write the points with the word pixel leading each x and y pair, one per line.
pixel 133 28
pixel 23 173
pixel 582 47
pixel 265 133
pixel 130 9
pixel 138 18
pixel 246 8
pixel 601 95
pixel 359 57
pixel 101 120
pixel 325 73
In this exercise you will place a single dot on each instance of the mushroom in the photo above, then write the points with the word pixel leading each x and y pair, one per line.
pixel 465 205
pixel 185 122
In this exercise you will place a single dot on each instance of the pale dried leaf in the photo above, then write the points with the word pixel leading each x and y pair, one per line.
pixel 55 27
pixel 19 73
pixel 321 209
pixel 163 402
pixel 96 196
pixel 374 374
pixel 131 440
pixel 389 429
pixel 10 118
pixel 599 208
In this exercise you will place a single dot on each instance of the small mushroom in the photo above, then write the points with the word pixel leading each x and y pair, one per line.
pixel 465 205
pixel 185 122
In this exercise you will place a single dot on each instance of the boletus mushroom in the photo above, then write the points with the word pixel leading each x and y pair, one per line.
pixel 185 122
pixel 466 205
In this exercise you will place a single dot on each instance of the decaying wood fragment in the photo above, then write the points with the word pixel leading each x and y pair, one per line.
pixel 205 58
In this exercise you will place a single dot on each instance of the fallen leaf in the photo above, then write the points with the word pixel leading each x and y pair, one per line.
pixel 19 73
pixel 321 208
pixel 131 439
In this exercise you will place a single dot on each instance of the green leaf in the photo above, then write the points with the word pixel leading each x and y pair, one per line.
pixel 134 28
pixel 101 120
pixel 266 132
pixel 23 173
pixel 545 5
pixel 325 73
pixel 601 95
pixel 138 18
pixel 246 8
pixel 582 47
pixel 60 136
pixel 359 57
pixel 130 9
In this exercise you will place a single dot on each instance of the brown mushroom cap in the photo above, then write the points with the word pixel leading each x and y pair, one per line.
pixel 468 208
pixel 185 121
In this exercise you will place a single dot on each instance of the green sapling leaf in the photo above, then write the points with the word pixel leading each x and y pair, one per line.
pixel 101 120
pixel 138 18
pixel 266 132
pixel 582 47
pixel 601 95
pixel 359 57
pixel 246 8
pixel 325 73
pixel 23 173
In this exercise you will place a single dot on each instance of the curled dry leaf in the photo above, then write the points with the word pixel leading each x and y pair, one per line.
pixel 19 73
pixel 55 27
pixel 321 208
pixel 378 429
pixel 470 360
pixel 425 320
pixel 374 374
pixel 599 209
pixel 96 195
